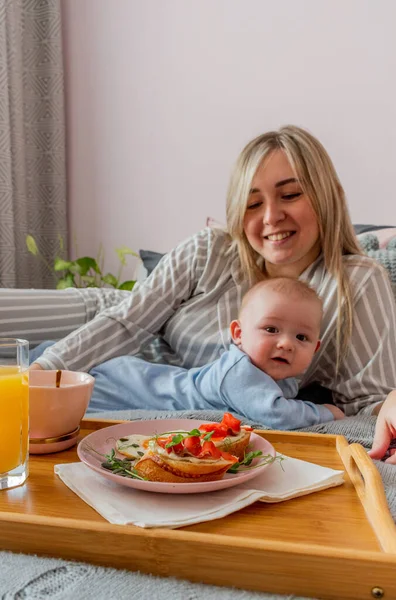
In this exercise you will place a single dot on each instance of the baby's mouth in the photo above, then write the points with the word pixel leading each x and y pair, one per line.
pixel 282 360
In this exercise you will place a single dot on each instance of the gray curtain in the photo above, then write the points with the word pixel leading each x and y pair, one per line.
pixel 32 140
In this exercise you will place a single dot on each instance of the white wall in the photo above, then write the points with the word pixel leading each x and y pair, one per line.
pixel 163 94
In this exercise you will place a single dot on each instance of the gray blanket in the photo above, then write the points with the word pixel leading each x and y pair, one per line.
pixel 32 577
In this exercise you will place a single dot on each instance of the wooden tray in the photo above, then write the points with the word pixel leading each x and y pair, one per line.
pixel 337 543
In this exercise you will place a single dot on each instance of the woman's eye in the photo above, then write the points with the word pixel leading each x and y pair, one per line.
pixel 301 337
pixel 254 205
pixel 291 196
pixel 271 330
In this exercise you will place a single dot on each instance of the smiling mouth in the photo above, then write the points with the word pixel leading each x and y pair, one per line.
pixel 278 237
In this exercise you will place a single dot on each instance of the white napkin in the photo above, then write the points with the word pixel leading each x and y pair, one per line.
pixel 126 506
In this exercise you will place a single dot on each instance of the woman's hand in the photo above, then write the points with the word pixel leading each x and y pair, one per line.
pixel 385 430
pixel 35 367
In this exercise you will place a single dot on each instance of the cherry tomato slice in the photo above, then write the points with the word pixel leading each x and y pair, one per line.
pixel 219 430
pixel 230 457
pixel 229 422
pixel 193 445
pixel 209 449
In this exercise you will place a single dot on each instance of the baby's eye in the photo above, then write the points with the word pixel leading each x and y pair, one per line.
pixel 301 337
pixel 271 329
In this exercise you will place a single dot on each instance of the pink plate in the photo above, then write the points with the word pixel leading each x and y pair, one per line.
pixel 104 440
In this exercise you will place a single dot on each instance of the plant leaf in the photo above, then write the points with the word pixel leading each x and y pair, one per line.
pixel 65 282
pixel 61 265
pixel 31 245
pixel 84 264
pixel 74 267
pixel 90 279
pixel 110 280
pixel 127 285
pixel 123 251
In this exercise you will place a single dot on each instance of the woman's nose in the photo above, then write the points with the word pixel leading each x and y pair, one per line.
pixel 273 213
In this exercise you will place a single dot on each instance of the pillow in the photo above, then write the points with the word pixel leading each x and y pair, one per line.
pixel 150 259
pixel 385 256
pixel 368 241
pixel 366 228
pixel 392 244
pixel 386 236
pixel 384 233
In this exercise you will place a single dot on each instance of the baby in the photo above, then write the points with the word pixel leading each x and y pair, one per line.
pixel 274 340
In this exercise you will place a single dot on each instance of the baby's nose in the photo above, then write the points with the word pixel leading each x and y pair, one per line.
pixel 286 343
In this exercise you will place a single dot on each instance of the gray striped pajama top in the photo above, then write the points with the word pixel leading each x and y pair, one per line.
pixel 181 313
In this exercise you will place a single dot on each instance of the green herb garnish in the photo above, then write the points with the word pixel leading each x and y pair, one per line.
pixel 246 462
pixel 118 466
pixel 180 436
pixel 175 440
pixel 194 433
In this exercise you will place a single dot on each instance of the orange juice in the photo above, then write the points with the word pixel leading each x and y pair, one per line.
pixel 14 415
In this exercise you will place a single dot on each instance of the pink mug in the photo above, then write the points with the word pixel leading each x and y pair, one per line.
pixel 55 412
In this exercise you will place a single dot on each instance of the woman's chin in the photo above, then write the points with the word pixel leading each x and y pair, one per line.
pixel 278 258
pixel 275 262
pixel 287 263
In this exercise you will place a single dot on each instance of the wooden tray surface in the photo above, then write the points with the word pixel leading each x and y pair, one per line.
pixel 337 543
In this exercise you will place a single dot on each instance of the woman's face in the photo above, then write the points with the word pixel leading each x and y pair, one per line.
pixel 280 223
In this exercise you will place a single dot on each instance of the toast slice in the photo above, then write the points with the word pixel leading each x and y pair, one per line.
pixel 235 445
pixel 156 467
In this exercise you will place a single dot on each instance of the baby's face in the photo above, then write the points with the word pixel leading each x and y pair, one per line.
pixel 279 334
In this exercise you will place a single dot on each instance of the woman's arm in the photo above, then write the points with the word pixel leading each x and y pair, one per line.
pixel 128 327
pixel 40 315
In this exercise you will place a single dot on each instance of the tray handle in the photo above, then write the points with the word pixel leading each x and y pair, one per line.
pixel 368 484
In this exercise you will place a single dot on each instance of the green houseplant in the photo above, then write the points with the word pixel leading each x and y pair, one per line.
pixel 85 271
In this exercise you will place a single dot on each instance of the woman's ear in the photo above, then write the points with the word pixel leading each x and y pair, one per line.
pixel 317 346
pixel 236 332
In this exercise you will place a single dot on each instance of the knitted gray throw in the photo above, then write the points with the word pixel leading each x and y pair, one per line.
pixel 34 578
pixel 386 256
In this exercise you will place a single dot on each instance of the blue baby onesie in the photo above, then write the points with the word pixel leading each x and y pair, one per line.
pixel 230 383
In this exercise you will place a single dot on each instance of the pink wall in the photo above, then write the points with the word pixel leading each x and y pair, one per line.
pixel 163 94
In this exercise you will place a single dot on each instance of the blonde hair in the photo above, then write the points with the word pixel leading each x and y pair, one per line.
pixel 319 181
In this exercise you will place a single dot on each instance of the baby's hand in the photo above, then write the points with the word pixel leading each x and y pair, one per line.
pixel 35 367
pixel 336 412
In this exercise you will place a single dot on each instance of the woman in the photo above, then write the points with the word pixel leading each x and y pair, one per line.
pixel 286 216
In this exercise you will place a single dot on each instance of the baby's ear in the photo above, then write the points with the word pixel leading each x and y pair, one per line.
pixel 236 332
pixel 317 346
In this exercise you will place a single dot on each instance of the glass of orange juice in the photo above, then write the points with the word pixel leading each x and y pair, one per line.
pixel 14 412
